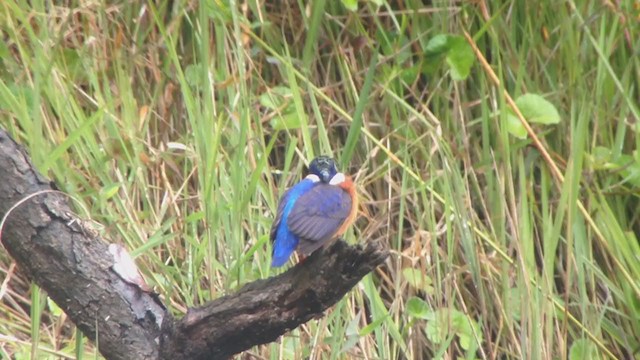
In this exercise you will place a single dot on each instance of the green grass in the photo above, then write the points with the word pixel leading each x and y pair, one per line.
pixel 177 127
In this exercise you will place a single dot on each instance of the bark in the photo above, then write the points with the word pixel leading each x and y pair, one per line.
pixel 67 259
pixel 265 309
pixel 80 273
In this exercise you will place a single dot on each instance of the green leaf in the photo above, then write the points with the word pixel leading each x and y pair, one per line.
pixel 289 348
pixel 288 121
pixel 350 342
pixel 351 5
pixel 466 329
pixel 353 326
pixel 460 58
pixel 193 75
pixel 437 45
pixel 413 277
pixel 631 174
pixel 109 191
pixel 456 51
pixel 352 334
pixel 280 100
pixel 600 157
pixel 276 98
pixel 372 326
pixel 394 44
pixel 438 328
pixel 515 127
pixel 537 109
pixel 442 323
pixel 195 217
pixel 417 308
pixel 411 73
pixel 582 349
pixel 23 353
pixel 54 308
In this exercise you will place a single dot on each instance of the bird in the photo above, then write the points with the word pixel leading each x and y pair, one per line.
pixel 314 212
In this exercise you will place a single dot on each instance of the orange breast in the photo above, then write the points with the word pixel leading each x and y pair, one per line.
pixel 348 186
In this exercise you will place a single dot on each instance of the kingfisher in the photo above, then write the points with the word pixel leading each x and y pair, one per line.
pixel 314 212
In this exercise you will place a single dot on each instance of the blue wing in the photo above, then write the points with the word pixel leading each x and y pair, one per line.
pixel 284 241
pixel 279 212
pixel 317 215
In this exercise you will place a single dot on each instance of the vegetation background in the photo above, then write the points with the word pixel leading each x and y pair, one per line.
pixel 175 125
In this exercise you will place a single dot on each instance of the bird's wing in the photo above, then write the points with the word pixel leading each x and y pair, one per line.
pixel 318 214
pixel 276 222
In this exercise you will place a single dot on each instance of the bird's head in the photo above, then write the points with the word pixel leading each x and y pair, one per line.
pixel 323 167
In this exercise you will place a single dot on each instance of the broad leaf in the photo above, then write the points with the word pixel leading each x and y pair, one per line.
pixel 351 5
pixel 437 45
pixel 460 58
pixel 288 121
pixel 417 308
pixel 276 98
pixel 582 349
pixel 456 51
pixel 537 109
pixel 515 127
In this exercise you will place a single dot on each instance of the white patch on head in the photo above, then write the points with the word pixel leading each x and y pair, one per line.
pixel 337 179
pixel 313 178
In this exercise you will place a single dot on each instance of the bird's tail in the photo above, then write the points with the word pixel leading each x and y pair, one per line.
pixel 283 246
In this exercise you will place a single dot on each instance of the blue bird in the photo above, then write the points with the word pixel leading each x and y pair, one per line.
pixel 314 212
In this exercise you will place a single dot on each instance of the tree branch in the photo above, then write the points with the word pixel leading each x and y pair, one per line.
pixel 71 263
pixel 76 268
pixel 265 309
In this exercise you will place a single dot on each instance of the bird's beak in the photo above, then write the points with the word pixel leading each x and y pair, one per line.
pixel 325 176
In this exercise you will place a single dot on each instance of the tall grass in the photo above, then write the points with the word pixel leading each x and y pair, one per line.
pixel 178 124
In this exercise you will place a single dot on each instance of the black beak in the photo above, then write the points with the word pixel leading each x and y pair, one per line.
pixel 325 176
